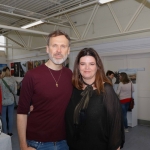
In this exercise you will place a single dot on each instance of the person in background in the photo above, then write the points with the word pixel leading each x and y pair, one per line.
pixel 124 93
pixel 110 74
pixel 93 116
pixel 8 100
pixel 48 88
pixel 0 94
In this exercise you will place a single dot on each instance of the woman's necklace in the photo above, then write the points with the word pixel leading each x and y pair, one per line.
pixel 54 78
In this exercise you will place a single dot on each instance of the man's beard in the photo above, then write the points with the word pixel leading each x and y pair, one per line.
pixel 58 61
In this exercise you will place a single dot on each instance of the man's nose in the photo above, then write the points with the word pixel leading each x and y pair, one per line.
pixel 59 49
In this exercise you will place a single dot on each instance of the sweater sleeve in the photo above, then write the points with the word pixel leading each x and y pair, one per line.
pixel 26 94
pixel 115 128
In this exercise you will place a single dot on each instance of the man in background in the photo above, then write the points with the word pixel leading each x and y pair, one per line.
pixel 110 74
pixel 48 88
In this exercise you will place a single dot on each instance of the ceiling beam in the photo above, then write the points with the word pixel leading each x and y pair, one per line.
pixel 13 41
pixel 72 9
pixel 23 30
pixel 31 18
pixel 28 31
pixel 55 2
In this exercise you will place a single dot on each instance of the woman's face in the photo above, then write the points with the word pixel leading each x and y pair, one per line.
pixel 88 68
pixel 120 77
pixel 7 72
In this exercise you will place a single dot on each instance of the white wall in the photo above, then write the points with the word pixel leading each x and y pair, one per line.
pixel 143 80
pixel 2 60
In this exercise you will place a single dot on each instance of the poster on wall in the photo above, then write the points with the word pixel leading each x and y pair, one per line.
pixel 16 69
pixel 11 65
pixel 12 72
pixel 132 73
pixel 23 68
pixel 12 69
pixel 38 63
pixel 2 66
pixel 30 65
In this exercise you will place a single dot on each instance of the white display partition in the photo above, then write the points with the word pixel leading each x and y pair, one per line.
pixel 131 116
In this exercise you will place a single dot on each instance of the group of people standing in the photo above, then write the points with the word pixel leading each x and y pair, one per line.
pixel 124 91
pixel 8 88
pixel 62 110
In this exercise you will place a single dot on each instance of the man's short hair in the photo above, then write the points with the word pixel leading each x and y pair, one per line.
pixel 109 72
pixel 5 68
pixel 57 33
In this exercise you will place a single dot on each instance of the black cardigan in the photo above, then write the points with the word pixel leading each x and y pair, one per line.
pixel 103 127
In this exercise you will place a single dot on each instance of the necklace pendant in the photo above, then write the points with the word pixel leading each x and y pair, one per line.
pixel 56 85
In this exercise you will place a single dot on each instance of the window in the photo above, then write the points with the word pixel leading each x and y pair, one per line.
pixel 2 43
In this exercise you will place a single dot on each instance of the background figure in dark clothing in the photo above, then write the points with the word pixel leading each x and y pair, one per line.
pixel 48 87
pixel 93 116
pixel 110 74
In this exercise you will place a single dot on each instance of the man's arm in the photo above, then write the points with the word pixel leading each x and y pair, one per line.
pixel 21 126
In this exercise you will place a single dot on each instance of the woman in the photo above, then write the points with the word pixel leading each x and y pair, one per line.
pixel 8 100
pixel 93 116
pixel 0 93
pixel 124 93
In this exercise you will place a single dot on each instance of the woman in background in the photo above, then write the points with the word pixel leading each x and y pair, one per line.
pixel 8 100
pixel 0 93
pixel 93 116
pixel 124 93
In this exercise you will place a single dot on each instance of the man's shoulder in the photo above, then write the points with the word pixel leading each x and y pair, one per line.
pixel 36 71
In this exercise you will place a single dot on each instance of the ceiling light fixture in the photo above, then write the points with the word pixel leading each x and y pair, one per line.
pixel 33 24
pixel 104 1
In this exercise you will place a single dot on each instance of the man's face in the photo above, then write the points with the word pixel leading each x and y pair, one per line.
pixel 111 76
pixel 58 49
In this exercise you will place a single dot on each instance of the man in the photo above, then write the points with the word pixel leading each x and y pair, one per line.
pixel 48 88
pixel 110 74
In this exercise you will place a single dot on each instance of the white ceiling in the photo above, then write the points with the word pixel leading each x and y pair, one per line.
pixel 122 18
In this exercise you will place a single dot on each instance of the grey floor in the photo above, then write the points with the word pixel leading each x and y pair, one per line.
pixel 138 138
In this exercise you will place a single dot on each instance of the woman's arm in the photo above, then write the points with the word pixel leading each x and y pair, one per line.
pixel 118 89
pixel 115 126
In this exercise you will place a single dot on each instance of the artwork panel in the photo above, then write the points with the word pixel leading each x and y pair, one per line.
pixel 16 69
pixel 12 72
pixel 30 65
pixel 12 65
pixel 2 66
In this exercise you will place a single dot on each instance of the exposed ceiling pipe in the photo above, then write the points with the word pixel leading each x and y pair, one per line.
pixel 23 30
pixel 16 47
pixel 103 37
pixel 69 10
pixel 31 18
pixel 27 30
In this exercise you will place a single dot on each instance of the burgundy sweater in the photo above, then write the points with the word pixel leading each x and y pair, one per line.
pixel 46 122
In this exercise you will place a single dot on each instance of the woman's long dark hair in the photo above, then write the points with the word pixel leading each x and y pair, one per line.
pixel 100 74
pixel 124 78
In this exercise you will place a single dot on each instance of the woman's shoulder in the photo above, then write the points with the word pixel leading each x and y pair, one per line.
pixel 76 90
pixel 108 87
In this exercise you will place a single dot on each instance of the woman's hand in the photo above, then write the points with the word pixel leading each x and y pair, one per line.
pixel 118 148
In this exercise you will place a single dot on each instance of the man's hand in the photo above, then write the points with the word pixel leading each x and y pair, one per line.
pixel 28 148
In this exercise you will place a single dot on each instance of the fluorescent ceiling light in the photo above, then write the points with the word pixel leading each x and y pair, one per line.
pixel 104 1
pixel 32 24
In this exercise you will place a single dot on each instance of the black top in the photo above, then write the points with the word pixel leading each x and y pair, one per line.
pixel 102 128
